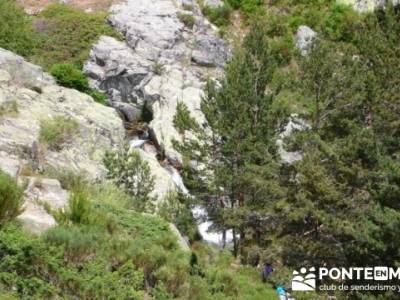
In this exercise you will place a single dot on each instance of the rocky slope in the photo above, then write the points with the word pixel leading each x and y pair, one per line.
pixel 161 62
pixel 29 96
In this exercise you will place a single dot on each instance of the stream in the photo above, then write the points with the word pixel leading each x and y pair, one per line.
pixel 199 212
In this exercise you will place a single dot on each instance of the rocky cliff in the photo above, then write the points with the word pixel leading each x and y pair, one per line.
pixel 28 96
pixel 170 51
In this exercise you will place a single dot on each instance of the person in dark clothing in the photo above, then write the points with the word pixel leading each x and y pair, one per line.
pixel 266 271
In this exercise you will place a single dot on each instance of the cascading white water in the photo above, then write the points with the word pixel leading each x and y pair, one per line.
pixel 198 211
pixel 201 215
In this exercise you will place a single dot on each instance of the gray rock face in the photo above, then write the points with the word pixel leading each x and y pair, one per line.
pixel 210 51
pixel 161 63
pixel 10 164
pixel 36 98
pixel 22 72
pixel 41 192
pixel 304 39
pixel 27 96
pixel 367 5
pixel 294 124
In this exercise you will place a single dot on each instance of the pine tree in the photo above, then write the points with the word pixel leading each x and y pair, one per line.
pixel 237 143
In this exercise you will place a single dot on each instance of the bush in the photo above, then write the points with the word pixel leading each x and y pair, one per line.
pixel 176 209
pixel 248 7
pixel 70 76
pixel 80 207
pixel 98 96
pixel 16 31
pixel 57 131
pixel 282 49
pixel 79 242
pixel 187 19
pixel 68 34
pixel 11 198
pixel 128 171
pixel 219 15
pixel 183 121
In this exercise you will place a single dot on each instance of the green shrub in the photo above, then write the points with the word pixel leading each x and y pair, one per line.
pixel 98 96
pixel 79 242
pixel 70 76
pixel 219 15
pixel 187 19
pixel 183 121
pixel 282 49
pixel 176 209
pixel 68 34
pixel 339 23
pixel 80 207
pixel 11 198
pixel 16 31
pixel 56 131
pixel 127 170
pixel 248 7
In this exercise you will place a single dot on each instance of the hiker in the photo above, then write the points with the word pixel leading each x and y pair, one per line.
pixel 266 271
pixel 281 292
pixel 283 295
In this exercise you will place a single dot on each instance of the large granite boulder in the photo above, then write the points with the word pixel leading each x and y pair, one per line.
pixel 28 96
pixel 41 192
pixel 161 63
pixel 305 37
pixel 34 97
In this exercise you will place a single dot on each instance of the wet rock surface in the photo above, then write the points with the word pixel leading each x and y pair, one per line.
pixel 161 63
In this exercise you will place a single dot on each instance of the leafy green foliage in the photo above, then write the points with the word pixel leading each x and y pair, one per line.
pixel 68 34
pixel 80 207
pixel 16 30
pixel 57 131
pixel 70 76
pixel 183 121
pixel 248 7
pixel 239 151
pixel 128 171
pixel 219 15
pixel 11 198
pixel 176 209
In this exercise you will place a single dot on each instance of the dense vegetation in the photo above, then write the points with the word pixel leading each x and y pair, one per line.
pixel 102 249
pixel 337 206
pixel 59 39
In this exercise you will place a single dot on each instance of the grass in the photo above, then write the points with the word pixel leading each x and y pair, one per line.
pixel 117 253
pixel 57 131
pixel 67 34
pixel 16 31
pixel 9 109
pixel 187 19
pixel 220 15
pixel 11 198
